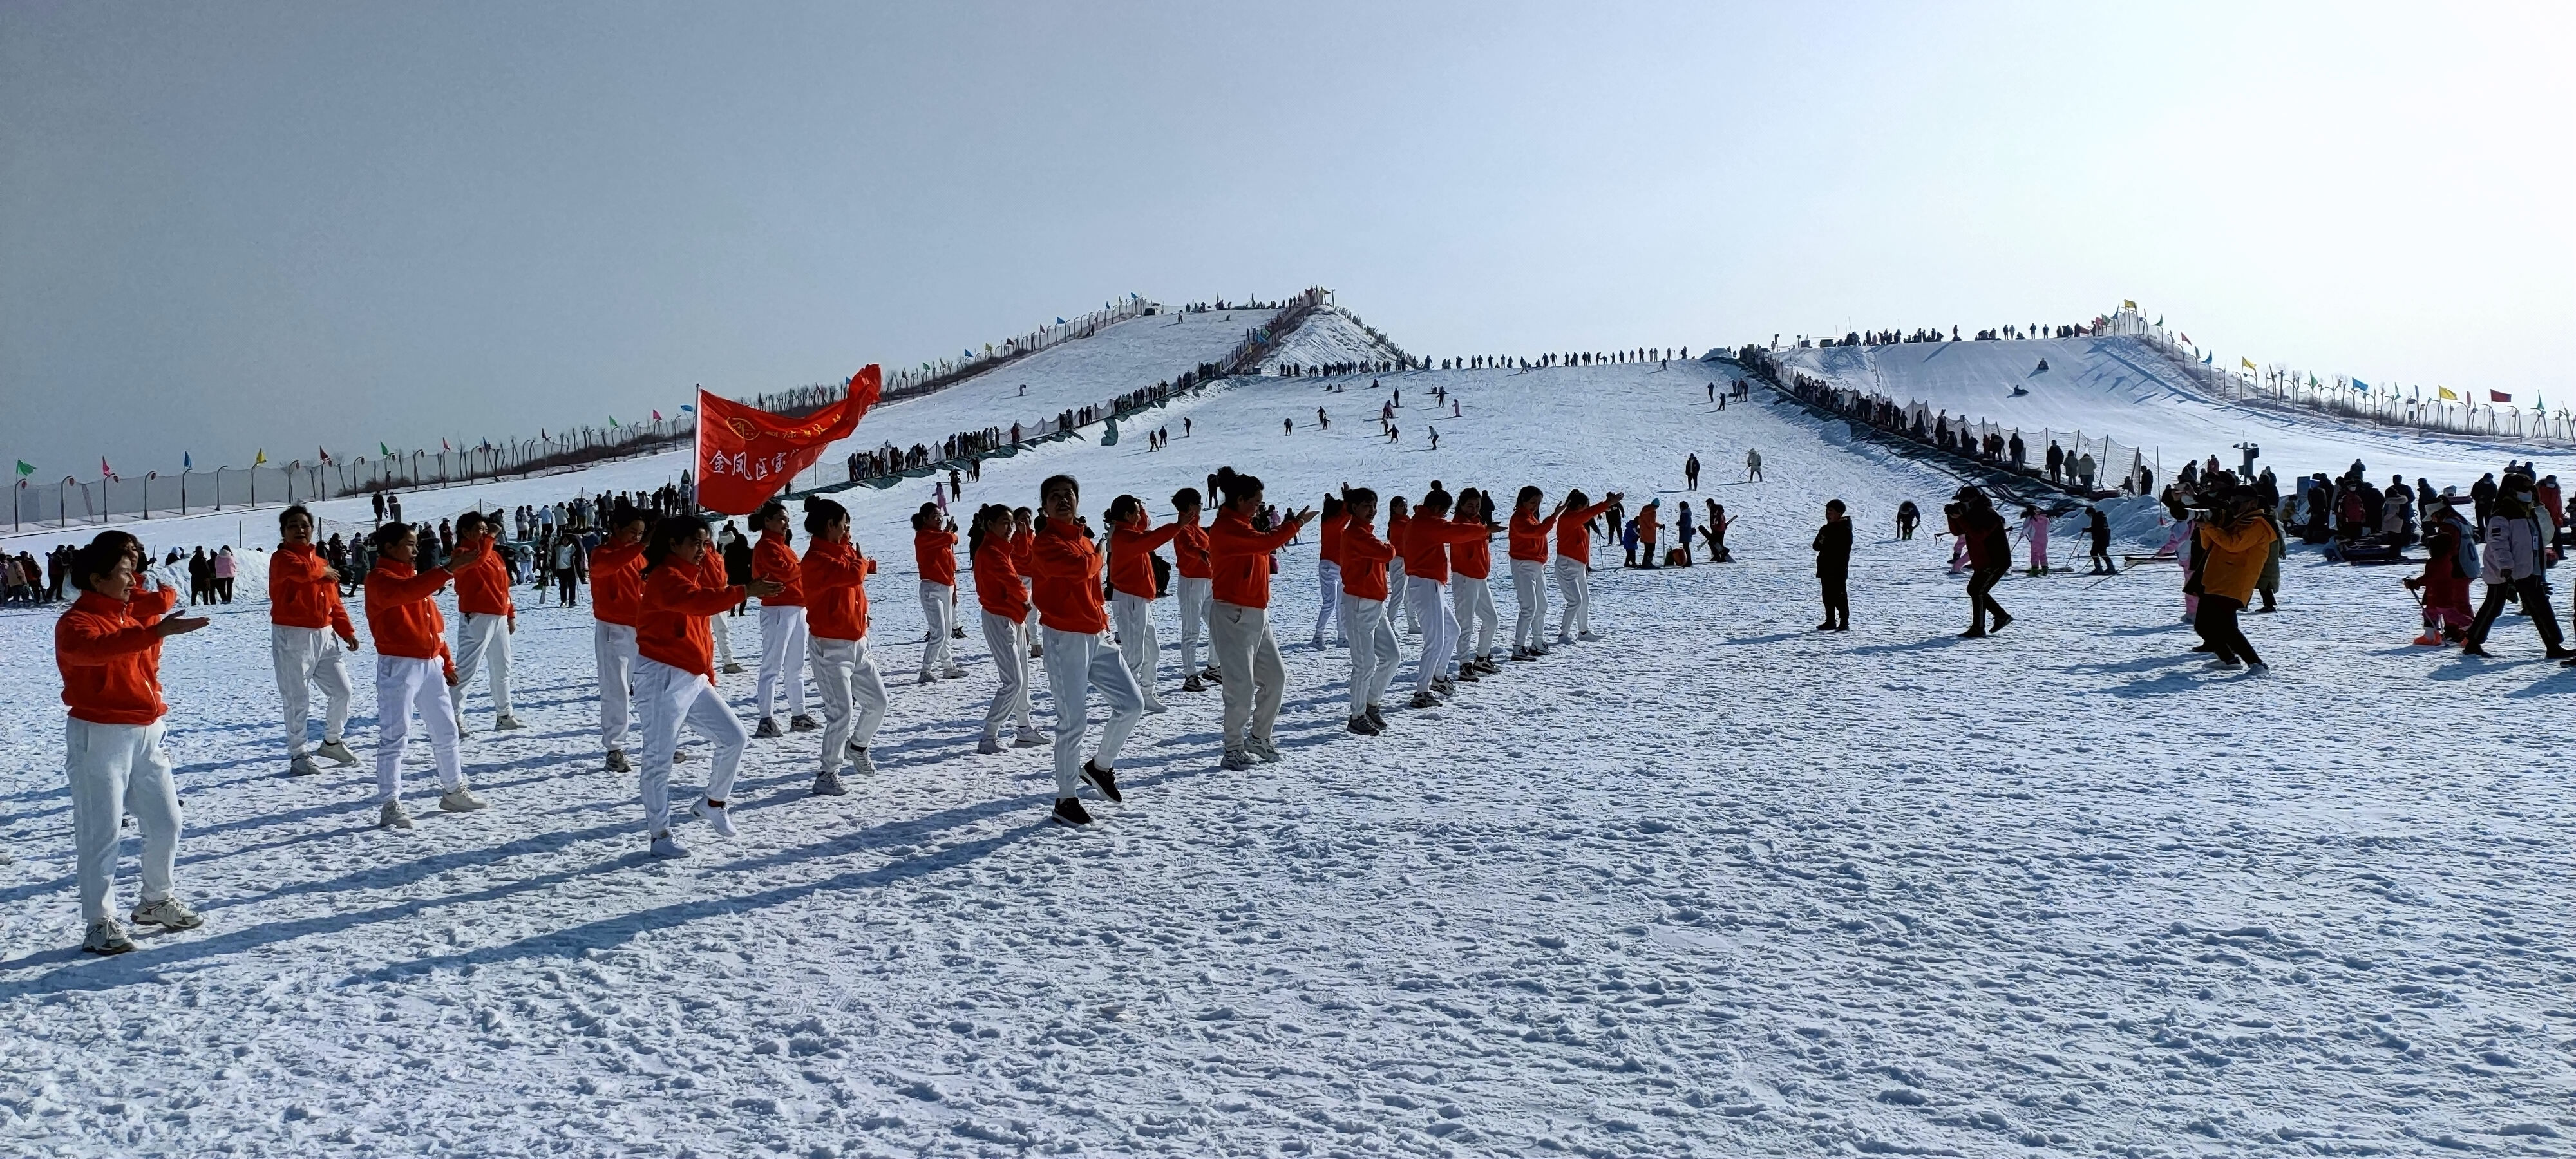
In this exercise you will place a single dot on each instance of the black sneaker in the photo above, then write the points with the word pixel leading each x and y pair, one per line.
pixel 1364 726
pixel 1070 812
pixel 1102 779
pixel 1377 718
pixel 2000 620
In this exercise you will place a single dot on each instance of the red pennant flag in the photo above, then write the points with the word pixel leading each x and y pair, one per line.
pixel 657 416
pixel 442 445
pixel 2498 396
pixel 746 454
pixel 104 471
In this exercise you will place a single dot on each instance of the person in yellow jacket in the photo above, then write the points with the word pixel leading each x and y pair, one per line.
pixel 2237 542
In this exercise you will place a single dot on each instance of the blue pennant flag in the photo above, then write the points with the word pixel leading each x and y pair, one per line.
pixel 1059 321
pixel 2358 384
pixel 690 407
pixel 186 463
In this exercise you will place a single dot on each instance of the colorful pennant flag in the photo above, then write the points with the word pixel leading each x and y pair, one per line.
pixel 2446 394
pixel 2498 396
pixel 2249 363
pixel 104 471
pixel 25 468
pixel 384 450
pixel 260 459
pixel 2126 304
pixel 186 463
pixel 2358 384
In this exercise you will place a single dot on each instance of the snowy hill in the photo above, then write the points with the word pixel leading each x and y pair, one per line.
pixel 2124 389
pixel 1718 883
pixel 1332 336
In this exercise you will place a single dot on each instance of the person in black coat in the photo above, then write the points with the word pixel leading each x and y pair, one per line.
pixel 2098 526
pixel 1833 546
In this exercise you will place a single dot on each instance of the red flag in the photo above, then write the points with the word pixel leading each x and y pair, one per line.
pixel 321 454
pixel 657 416
pixel 104 472
pixel 746 454
pixel 2498 396
pixel 442 445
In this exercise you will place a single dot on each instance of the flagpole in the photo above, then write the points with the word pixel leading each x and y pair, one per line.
pixel 697 448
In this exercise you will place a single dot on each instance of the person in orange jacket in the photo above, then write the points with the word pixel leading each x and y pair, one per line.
pixel 1528 548
pixel 1247 655
pixel 485 617
pixel 1471 596
pixel 411 669
pixel 1399 516
pixel 998 549
pixel 783 632
pixel 1328 570
pixel 1375 654
pixel 616 605
pixel 1064 568
pixel 934 547
pixel 107 647
pixel 1427 539
pixel 308 630
pixel 1191 585
pixel 1574 563
pixel 1132 540
pixel 835 583
pixel 1649 525
pixel 675 674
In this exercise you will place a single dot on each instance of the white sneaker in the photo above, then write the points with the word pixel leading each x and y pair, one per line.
pixel 106 937
pixel 169 913
pixel 392 816
pixel 861 764
pixel 1029 738
pixel 1155 706
pixel 952 672
pixel 617 762
pixel 927 677
pixel 336 753
pixel 507 721
pixel 714 815
pixel 1586 637
pixel 1262 750
pixel 302 766
pixel 2227 663
pixel 459 801
pixel 665 845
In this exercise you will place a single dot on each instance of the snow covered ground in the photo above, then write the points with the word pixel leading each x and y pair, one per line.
pixel 1717 884
pixel 1330 336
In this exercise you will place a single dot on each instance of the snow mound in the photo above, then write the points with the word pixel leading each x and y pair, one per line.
pixel 1332 336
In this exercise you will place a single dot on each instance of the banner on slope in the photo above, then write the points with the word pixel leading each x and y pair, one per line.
pixel 746 454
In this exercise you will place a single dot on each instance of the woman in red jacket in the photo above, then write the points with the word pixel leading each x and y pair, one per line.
pixel 107 646
pixel 308 631
pixel 1471 598
pixel 934 546
pixel 485 616
pixel 1190 583
pixel 1529 572
pixel 1132 540
pixel 675 675
pixel 1328 570
pixel 1246 653
pixel 1574 563
pixel 1399 516
pixel 1375 654
pixel 1064 569
pixel 835 585
pixel 1427 539
pixel 412 670
pixel 616 604
pixel 998 550
pixel 783 633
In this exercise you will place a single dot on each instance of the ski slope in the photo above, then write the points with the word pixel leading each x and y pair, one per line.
pixel 1330 336
pixel 2121 387
pixel 1717 884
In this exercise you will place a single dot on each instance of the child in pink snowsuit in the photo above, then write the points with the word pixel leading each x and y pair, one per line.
pixel 2035 527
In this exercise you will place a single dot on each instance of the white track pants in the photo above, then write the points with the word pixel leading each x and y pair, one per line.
pixel 672 698
pixel 405 685
pixel 483 640
pixel 1395 587
pixel 116 769
pixel 854 696
pixel 782 654
pixel 1529 587
pixel 1008 640
pixel 938 610
pixel 1329 575
pixel 1248 658
pixel 1375 654
pixel 724 638
pixel 1079 664
pixel 1196 594
pixel 614 647
pixel 1139 641
pixel 1574 586
pixel 1422 597
pixel 1473 600
pixel 305 657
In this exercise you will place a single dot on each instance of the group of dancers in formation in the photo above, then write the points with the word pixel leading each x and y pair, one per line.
pixel 1048 587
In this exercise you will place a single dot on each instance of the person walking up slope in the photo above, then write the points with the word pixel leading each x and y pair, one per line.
pixel 934 547
pixel 996 549
pixel 834 577
pixel 1066 567
pixel 486 618
pixel 1132 540
pixel 675 675
pixel 783 632
pixel 107 648
pixel 411 650
pixel 1833 546
pixel 1375 653
pixel 1246 654
pixel 308 631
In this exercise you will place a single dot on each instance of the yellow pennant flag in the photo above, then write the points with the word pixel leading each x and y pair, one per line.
pixel 2249 363
pixel 2126 304
pixel 261 460
pixel 2446 394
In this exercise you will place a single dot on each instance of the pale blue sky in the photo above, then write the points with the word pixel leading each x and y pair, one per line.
pixel 241 225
